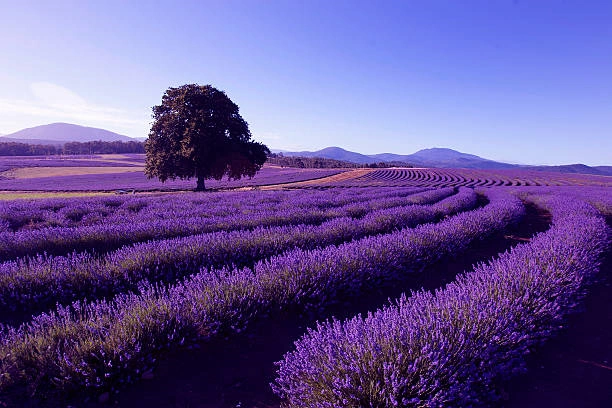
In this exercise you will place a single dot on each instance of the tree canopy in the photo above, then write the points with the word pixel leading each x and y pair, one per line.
pixel 198 132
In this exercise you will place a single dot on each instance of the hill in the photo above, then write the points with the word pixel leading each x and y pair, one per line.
pixel 5 139
pixel 334 153
pixel 607 170
pixel 576 168
pixel 443 158
pixel 61 133
pixel 435 157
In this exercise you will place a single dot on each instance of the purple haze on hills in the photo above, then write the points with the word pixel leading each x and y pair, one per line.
pixel 58 133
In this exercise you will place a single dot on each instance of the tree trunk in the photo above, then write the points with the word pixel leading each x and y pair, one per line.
pixel 200 185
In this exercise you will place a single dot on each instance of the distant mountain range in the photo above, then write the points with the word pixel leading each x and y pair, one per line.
pixel 61 133
pixel 444 158
pixel 435 157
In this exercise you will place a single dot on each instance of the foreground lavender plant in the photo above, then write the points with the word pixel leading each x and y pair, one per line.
pixel 448 348
pixel 40 282
pixel 98 346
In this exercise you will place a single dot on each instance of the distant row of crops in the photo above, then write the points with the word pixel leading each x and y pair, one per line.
pixel 433 177
pixel 80 178
pixel 107 223
pixel 137 276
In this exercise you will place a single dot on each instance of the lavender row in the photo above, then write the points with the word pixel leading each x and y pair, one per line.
pixel 98 346
pixel 244 213
pixel 449 348
pixel 598 197
pixel 435 177
pixel 105 237
pixel 71 212
pixel 37 283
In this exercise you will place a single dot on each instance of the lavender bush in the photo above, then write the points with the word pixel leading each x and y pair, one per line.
pixel 448 348
pixel 36 283
pixel 107 236
pixel 82 211
pixel 99 345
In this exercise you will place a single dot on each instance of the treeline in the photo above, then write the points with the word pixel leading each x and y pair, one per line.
pixel 94 147
pixel 322 163
pixel 100 147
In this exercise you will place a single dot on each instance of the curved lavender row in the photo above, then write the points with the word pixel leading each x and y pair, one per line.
pixel 285 214
pixel 38 283
pixel 310 277
pixel 75 212
pixel 105 237
pixel 433 177
pixel 103 344
pixel 449 348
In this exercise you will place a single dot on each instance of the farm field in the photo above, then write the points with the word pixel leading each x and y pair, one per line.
pixel 304 287
pixel 112 172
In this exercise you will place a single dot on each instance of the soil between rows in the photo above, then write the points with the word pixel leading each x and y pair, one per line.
pixel 236 371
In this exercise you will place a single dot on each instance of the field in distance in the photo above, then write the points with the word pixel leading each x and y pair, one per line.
pixel 107 173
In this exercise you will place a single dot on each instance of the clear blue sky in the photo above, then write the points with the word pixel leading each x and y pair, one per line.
pixel 526 81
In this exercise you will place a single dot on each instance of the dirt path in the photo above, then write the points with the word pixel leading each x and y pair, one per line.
pixel 236 372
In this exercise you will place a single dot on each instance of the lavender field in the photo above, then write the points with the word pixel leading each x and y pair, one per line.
pixel 123 172
pixel 432 177
pixel 327 288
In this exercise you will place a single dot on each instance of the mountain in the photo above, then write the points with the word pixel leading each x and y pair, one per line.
pixel 60 133
pixel 575 168
pixel 444 158
pixel 607 170
pixel 5 139
pixel 335 153
pixel 435 157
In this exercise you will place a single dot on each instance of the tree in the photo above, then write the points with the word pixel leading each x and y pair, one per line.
pixel 198 132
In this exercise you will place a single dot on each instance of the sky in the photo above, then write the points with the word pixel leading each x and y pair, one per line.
pixel 518 81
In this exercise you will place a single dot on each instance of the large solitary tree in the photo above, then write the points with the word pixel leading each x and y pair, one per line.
pixel 198 132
